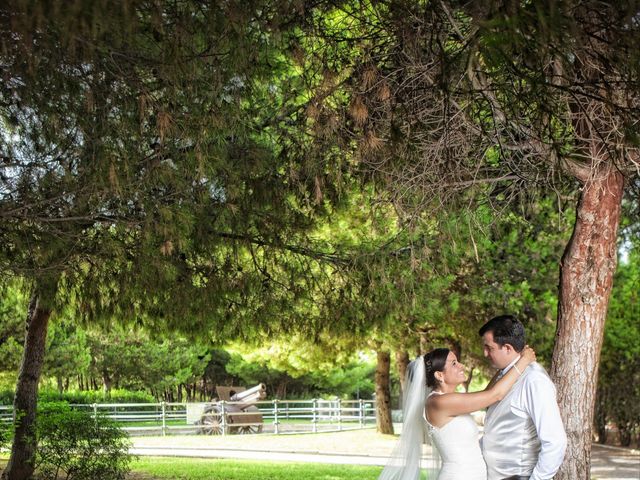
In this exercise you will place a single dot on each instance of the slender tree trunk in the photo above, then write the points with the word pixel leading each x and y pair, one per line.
pixel 281 391
pixel 600 415
pixel 23 450
pixel 205 388
pixel 424 343
pixel 586 277
pixel 467 382
pixel 106 382
pixel 402 361
pixel 455 347
pixel 425 339
pixel 383 393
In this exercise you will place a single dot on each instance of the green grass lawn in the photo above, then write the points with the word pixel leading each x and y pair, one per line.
pixel 212 469
pixel 149 468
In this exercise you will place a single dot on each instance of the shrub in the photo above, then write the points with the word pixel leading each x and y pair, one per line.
pixel 5 434
pixel 84 397
pixel 96 396
pixel 74 445
pixel 6 397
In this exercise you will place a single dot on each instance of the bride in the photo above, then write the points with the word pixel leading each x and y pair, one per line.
pixel 444 413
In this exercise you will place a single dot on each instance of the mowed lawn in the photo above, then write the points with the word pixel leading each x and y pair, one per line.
pixel 213 469
pixel 358 442
pixel 149 468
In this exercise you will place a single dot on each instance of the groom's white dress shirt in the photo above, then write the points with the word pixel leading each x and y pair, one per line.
pixel 524 434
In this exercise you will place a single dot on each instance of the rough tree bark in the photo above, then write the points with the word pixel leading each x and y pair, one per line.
pixel 586 277
pixel 383 393
pixel 23 450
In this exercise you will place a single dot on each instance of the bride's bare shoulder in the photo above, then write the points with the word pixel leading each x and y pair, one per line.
pixel 436 399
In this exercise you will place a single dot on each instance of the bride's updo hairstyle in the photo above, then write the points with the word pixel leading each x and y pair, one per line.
pixel 434 361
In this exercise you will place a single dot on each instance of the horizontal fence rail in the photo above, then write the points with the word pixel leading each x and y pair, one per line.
pixel 224 417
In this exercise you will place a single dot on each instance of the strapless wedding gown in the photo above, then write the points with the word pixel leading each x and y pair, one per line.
pixel 459 448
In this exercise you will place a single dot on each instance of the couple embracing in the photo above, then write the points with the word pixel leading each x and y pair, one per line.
pixel 523 433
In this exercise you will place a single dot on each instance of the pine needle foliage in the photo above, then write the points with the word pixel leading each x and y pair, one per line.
pixel 146 167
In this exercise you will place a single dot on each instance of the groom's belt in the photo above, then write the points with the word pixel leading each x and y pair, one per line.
pixel 516 477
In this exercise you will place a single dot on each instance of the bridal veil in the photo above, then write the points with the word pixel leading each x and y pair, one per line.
pixel 405 460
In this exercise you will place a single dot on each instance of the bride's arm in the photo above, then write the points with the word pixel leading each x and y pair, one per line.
pixel 452 404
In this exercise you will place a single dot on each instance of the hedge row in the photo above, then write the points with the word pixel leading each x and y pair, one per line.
pixel 84 396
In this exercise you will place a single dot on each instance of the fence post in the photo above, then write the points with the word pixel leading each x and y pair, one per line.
pixel 276 422
pixel 95 411
pixel 164 418
pixel 339 414
pixel 361 412
pixel 314 420
pixel 223 416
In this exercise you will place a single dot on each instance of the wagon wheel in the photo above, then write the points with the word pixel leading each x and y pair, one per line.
pixel 211 422
pixel 247 429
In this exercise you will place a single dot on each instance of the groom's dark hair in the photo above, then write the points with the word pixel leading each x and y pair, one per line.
pixel 506 329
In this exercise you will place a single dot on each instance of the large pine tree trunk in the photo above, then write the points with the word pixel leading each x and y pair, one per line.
pixel 21 463
pixel 383 393
pixel 586 277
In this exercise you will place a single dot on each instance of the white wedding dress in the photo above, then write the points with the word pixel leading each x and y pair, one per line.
pixel 459 448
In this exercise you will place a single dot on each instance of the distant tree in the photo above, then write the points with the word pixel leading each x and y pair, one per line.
pixel 67 354
pixel 215 372
pixel 12 311
pixel 618 396
pixel 293 367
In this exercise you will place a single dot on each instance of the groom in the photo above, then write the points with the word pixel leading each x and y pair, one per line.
pixel 523 433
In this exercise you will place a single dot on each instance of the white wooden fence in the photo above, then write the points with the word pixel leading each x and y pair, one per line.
pixel 277 416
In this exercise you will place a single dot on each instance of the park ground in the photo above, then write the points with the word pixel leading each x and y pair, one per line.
pixel 347 455
pixel 365 448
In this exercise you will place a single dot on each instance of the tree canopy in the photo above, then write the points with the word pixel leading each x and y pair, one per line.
pixel 337 171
